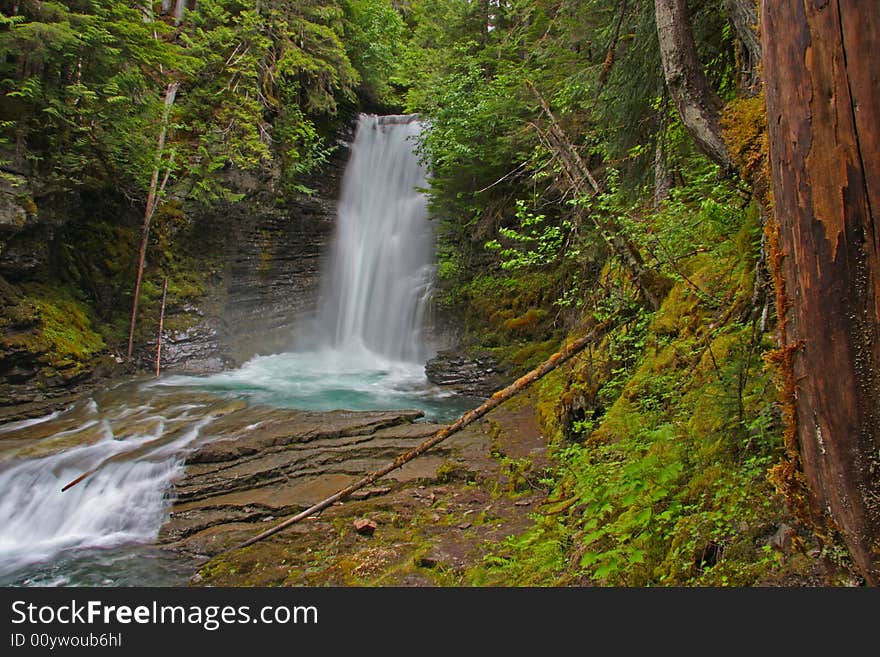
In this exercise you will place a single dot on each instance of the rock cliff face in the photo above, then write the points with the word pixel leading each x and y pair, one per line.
pixel 266 285
pixel 24 238
pixel 268 252
pixel 263 259
pixel 66 251
pixel 41 335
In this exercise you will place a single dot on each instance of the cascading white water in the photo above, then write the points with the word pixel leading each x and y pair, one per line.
pixel 370 354
pixel 122 501
pixel 381 265
pixel 367 347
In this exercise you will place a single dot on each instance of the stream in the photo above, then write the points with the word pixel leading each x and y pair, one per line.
pixel 85 491
pixel 136 436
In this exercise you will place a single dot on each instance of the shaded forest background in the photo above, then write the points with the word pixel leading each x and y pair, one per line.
pixel 595 163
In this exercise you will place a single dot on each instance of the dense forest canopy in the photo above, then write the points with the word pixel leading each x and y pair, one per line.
pixel 86 81
pixel 594 163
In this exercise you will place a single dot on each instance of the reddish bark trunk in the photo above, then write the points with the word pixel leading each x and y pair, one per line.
pixel 823 110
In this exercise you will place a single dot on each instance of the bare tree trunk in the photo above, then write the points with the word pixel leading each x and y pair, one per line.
pixel 697 104
pixel 743 16
pixel 823 111
pixel 161 325
pixel 663 179
pixel 179 9
pixel 662 175
pixel 152 197
pixel 166 6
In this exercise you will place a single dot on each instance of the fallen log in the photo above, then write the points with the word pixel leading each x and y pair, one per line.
pixel 564 354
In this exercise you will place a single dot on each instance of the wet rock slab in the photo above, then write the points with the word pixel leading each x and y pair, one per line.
pixel 477 376
pixel 257 464
pixel 429 524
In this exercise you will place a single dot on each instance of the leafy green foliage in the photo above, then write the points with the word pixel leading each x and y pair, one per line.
pixel 664 432
pixel 374 39
pixel 88 109
pixel 85 84
pixel 79 81
pixel 665 481
pixel 267 71
pixel 534 243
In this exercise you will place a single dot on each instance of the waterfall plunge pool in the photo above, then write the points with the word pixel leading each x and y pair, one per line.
pixel 329 379
pixel 126 446
pixel 136 436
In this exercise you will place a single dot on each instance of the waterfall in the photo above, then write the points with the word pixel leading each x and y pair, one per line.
pixel 133 455
pixel 381 266
pixel 370 354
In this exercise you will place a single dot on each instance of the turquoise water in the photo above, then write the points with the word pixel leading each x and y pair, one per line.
pixel 331 379
pixel 126 446
pixel 135 437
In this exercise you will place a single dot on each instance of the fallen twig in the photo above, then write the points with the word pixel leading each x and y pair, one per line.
pixel 161 321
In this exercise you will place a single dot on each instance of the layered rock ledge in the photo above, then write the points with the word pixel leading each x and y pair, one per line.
pixel 429 521
pixel 264 463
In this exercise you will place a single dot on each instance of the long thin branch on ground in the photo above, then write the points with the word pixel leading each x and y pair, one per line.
pixel 564 354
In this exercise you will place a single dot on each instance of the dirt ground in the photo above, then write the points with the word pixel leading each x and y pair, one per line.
pixel 430 527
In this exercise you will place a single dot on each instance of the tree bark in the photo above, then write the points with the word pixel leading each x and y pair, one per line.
pixel 662 175
pixel 179 9
pixel 663 179
pixel 697 104
pixel 743 15
pixel 823 110
pixel 152 197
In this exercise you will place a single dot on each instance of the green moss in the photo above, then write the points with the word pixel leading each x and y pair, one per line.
pixel 447 471
pixel 547 412
pixel 529 355
pixel 266 253
pixel 53 324
pixel 676 313
pixel 744 123
pixel 511 316
pixel 667 482
pixel 26 202
pixel 526 323
pixel 623 419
